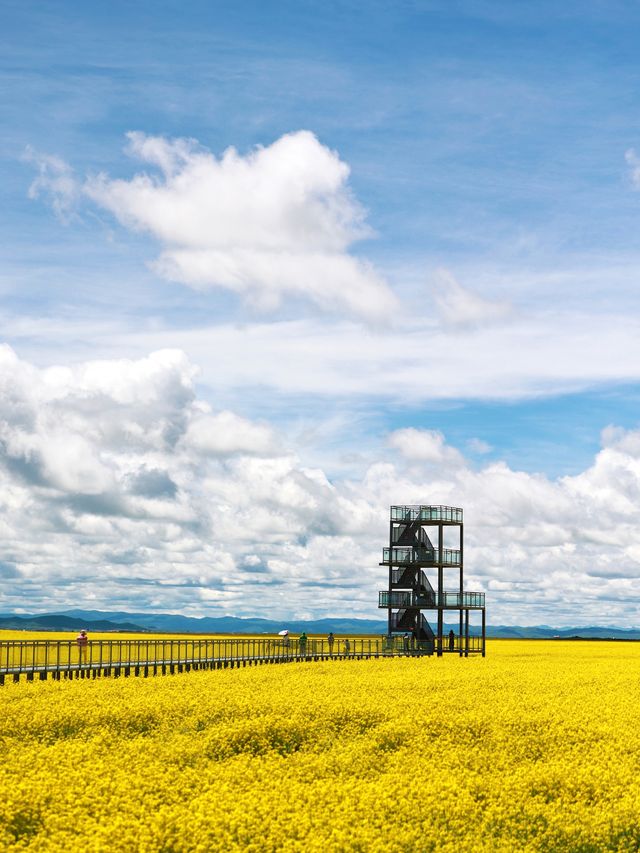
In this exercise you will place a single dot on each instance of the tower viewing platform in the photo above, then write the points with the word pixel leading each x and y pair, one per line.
pixel 418 512
pixel 416 556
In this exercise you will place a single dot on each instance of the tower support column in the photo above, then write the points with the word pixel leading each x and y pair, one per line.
pixel 390 576
pixel 461 546
pixel 466 633
pixel 440 587
pixel 484 631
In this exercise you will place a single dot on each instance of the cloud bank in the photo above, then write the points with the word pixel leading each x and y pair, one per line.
pixel 121 489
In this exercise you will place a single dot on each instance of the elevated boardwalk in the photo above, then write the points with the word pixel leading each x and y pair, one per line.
pixel 40 659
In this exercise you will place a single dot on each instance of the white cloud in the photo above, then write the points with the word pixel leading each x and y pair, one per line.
pixel 616 437
pixel 417 359
pixel 423 445
pixel 226 434
pixel 461 308
pixel 273 224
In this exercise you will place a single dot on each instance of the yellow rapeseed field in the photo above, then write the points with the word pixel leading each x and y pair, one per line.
pixel 536 747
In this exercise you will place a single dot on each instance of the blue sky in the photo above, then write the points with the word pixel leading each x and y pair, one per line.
pixel 476 253
pixel 483 140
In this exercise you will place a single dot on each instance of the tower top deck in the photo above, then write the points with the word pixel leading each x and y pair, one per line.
pixel 420 512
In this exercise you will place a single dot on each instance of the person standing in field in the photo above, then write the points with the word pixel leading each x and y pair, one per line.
pixel 452 641
pixel 82 641
pixel 331 640
pixel 405 644
pixel 303 644
pixel 347 647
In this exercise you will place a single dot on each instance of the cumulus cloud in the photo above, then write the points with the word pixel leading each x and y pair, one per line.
pixel 118 482
pixel 226 434
pixel 461 308
pixel 121 489
pixel 275 223
pixel 424 446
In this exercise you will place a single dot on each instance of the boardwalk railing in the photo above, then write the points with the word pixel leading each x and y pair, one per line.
pixel 63 658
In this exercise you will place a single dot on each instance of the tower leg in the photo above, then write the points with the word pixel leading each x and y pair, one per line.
pixel 466 633
pixel 440 586
pixel 461 546
pixel 390 575
pixel 484 631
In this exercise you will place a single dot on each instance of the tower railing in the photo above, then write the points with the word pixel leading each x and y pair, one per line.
pixel 400 554
pixel 419 512
pixel 448 598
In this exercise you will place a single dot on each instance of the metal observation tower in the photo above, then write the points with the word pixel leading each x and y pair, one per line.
pixel 415 554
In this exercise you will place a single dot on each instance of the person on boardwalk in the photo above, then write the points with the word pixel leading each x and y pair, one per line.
pixel 405 644
pixel 452 641
pixel 303 644
pixel 330 641
pixel 347 647
pixel 82 641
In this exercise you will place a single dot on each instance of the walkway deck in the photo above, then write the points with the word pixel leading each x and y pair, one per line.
pixel 41 659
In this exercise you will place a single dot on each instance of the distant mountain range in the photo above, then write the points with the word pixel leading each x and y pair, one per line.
pixel 99 620
pixel 54 622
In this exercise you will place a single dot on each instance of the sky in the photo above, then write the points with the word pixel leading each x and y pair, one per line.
pixel 268 269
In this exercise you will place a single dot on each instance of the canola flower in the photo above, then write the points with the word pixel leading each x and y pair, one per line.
pixel 534 748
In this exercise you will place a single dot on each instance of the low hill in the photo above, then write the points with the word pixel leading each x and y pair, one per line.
pixel 55 622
